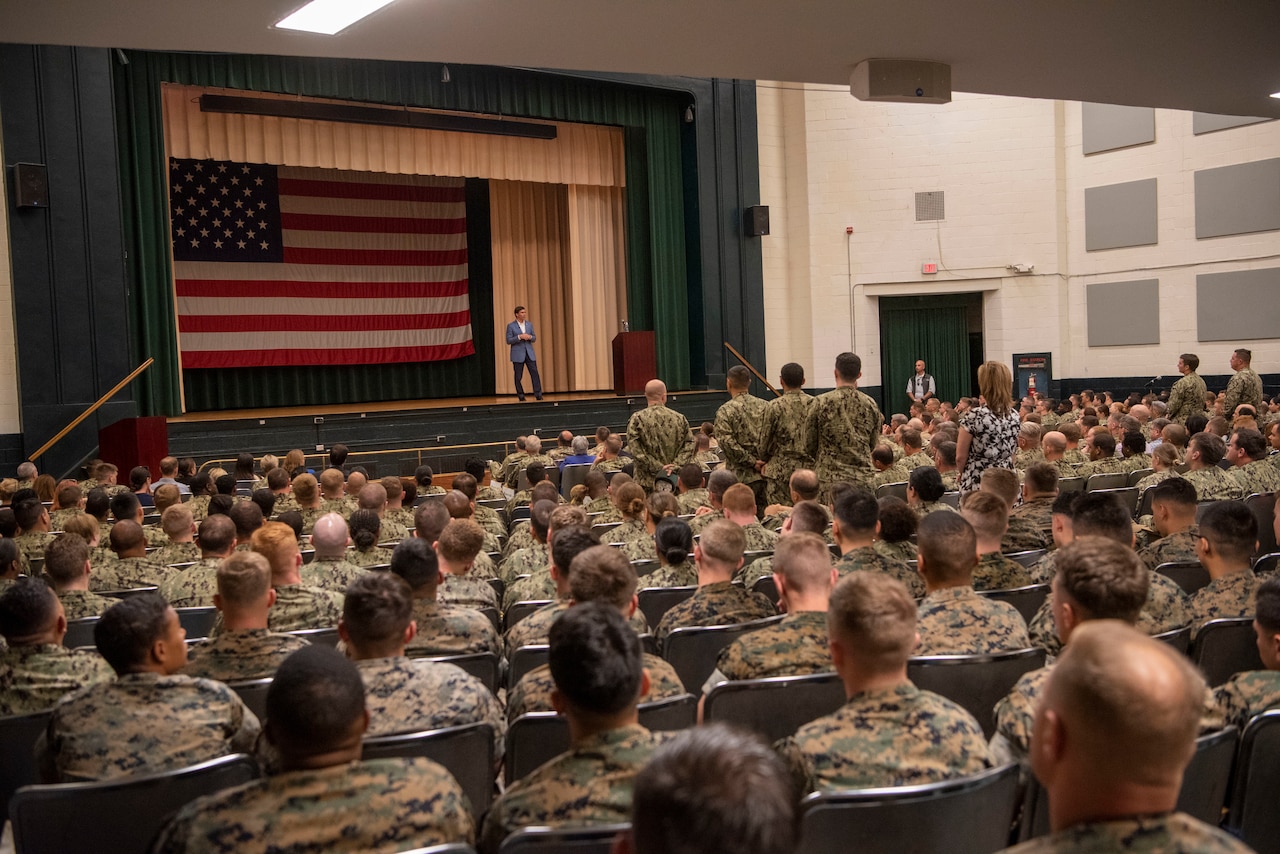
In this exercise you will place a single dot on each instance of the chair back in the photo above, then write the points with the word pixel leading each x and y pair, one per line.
pixel 602 529
pixel 1128 495
pixel 1135 476
pixel 692 651
pixel 481 665
pixel 522 480
pixel 1188 574
pixel 644 567
pixel 897 490
pixel 656 601
pixel 669 715
pixel 1112 480
pixel 1223 648
pixel 308 555
pixel 1256 789
pixel 81 816
pixel 521 514
pixel 525 659
pixel 325 636
pixel 519 610
pixel 1029 557
pixel 79 633
pixel 751 557
pixel 767 587
pixel 197 621
pixel 1201 508
pixel 1263 506
pixel 499 586
pixel 1026 599
pixel 775 707
pixel 951 499
pixel 18 734
pixel 1208 774
pixel 1267 563
pixel 465 751
pixel 970 815
pixel 447 848
pixel 125 594
pixel 555 840
pixel 254 694
pixel 1144 504
pixel 492 503
pixel 975 682
pixel 1071 484
pixel 492 613
pixel 1179 639
pixel 571 476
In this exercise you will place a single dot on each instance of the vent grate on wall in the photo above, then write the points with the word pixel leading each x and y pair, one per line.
pixel 931 206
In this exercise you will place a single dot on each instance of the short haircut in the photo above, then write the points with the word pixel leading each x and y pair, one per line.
pixel 720 480
pixel 1102 514
pixel 535 472
pixel 315 697
pixel 986 512
pixel 65 559
pixel 265 499
pixel 1105 443
pixel 28 607
pixel 1042 477
pixel 792 375
pixel 595 659
pixel 277 543
pixel 226 484
pixel 804 483
pixel 1135 444
pixel 460 541
pixel 466 484
pixel 883 454
pixel 713 790
pixel 331 480
pixel 127 630
pixel 82 525
pixel 1191 360
pixel 948 546
pixel 377 608
pixel 216 534
pixel 1003 482
pixel 1212 449
pixel 809 516
pixel 691 476
pixel 848 367
pixel 602 574
pixel 138 477
pixel 724 542
pixel 738 377
pixel 673 541
pixel 1251 442
pixel 540 516
pixel 898 522
pixel 874 615
pixel 416 562
pixel 911 438
pixel 946 451
pixel 244 578
pixel 739 499
pixel 1174 490
pixel 857 509
pixel 304 488
pixel 27 513
pixel 125 535
pixel 1231 528
pixel 247 517
pixel 1268 609
pixel 430 520
pixel 568 543
pixel 69 495
pixel 1105 580
pixel 804 561
pixel 1243 354
pixel 927 482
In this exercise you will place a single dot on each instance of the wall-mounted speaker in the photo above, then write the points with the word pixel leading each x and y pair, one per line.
pixel 30 185
pixel 756 219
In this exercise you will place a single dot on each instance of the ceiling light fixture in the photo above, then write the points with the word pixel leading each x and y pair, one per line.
pixel 330 17
pixel 1275 94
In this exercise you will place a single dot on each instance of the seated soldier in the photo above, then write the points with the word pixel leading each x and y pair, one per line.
pixel 396 511
pixel 1053 447
pixel 125 505
pixel 525 561
pixel 485 517
pixel 442 629
pixel 806 517
pixel 333 493
pixel 716 602
pixel 692 492
pixel 955 620
pixel 888 733
pixel 404 694
pixel 855 528
pixel 462 507
pixel 306 492
pixel 366 533
pixel 33 529
pixel 797 645
pixel 597 502
pixel 597 666
pixel 1023 534
pixel 66 563
pixel 151 718
pixel 610 457
pixel 632 508
pixel 243 648
pixel 195 586
pixel 717 484
pixel 738 510
pixel 374 497
pixel 133 567
pixel 887 470
pixel 602 575
pixel 898 524
pixel 323 797
pixel 1100 448
pixel 247 517
pixel 11 559
pixel 179 528
pixel 281 487
pixel 535 473
pixel 36 670
pixel 944 460
pixel 673 544
pixel 1028 451
pixel 329 569
pixel 1204 452
pixel 925 491
pixel 802 486
pixel 478 469
pixel 989 517
pixel 67 503
pixel 566 545
pixel 1228 539
pixel 1113 735
pixel 456 548
pixel 1251 470
pixel 1253 692
pixel 297 606
pixel 539 584
pixel 1173 515
pixel 1133 446
pixel 913 454
pixel 1039 489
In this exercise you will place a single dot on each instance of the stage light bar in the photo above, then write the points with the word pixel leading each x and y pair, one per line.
pixel 330 17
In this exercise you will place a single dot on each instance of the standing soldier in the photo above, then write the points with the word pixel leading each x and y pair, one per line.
pixel 842 429
pixel 738 428
pixel 659 438
pixel 1245 386
pixel 782 449
pixel 1186 398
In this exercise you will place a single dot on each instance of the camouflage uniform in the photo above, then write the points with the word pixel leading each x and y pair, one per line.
pixel 36 676
pixel 924 508
pixel 513 474
pixel 531 588
pixel 1186 398
pixel 708 459
pixel 1025 535
pixel 1154 478
pixel 683 575
pixel 739 429
pixel 796 646
pixel 466 592
pixel 1213 484
pixel 310 515
pixel 958 621
pixel 522 498
pixel 533 692
pixel 997 572
pixel 483 567
pixel 450 630
pixel 1157 834
pixel 1137 462
pixel 522 538
pixel 1037 515
pixel 58 518
pixel 402 519
pixel 236 654
pixel 917 460
pixel 490 492
pixel 589 784
pixel 78 604
pixel 407 695
pixel 330 573
pixel 1257 476
pixel 718 604
pixel 782 443
pixel 901 551
pixel 628 532
pixel 693 499
pixel 391 530
pixel 840 433
pixel 1043 570
pixel 867 558
pixel 490 520
pixel 176 553
pixel 1065 469
pixel 748 575
pixel 896 473
pixel 31 544
pixel 1246 695
pixel 1231 596
pixel 697 523
pixel 898 736
pixel 198 505
pixel 607 465
pixel 1166 609
pixel 284 503
pixel 534 628
pixel 383 805
pixel 759 538
pixel 1245 386
pixel 373 556
pixel 525 561
pixel 1074 457
pixel 602 508
pixel 1024 458
pixel 298 607
pixel 1106 465
pixel 1178 547
pixel 194 586
pixel 657 437
pixel 344 506
pixel 130 572
pixel 156 537
pixel 143 723
pixel 951 480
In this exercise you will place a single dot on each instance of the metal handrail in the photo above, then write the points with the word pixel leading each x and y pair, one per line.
pixel 507 447
pixel 92 409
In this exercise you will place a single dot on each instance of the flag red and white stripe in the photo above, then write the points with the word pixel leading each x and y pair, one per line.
pixel 302 266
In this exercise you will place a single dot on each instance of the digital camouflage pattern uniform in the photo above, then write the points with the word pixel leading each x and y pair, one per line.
pixel 958 621
pixel 630 531
pixel 587 785
pixel 951 480
pixel 535 628
pixel 490 492
pixel 1036 515
pixel 904 550
pixel 143 723
pixel 718 604
pixel 1065 469
pixel 759 538
pixel 1171 833
pixel 1213 484
pixel 1026 457
pixel 897 736
pixel 658 437
pixel 868 559
pixel 527 561
pixel 330 573
pixel 1179 547
pixel 997 572
pixel 1106 465
pixel 450 630
pixel 602 511
pixel 531 588
pixel 683 575
pixel 513 474
pixel 464 591
pixel 384 805
pixel 1246 695
pixel 489 519
pixel 194 586
pixel 1167 608
pixel 130 572
pixel 373 556
pixel 1186 398
pixel 522 498
pixel 156 537
pixel 608 464
pixel 239 654
pixel 1245 386
pixel 483 567
pixel 697 523
pixel 917 460
pixel 1137 462
pixel 78 604
pixel 521 538
pixel 782 443
pixel 739 427
pixel 1075 458
pixel 176 553
pixel 284 503
pixel 1232 596
pixel 1154 478
pixel 1257 476
pixel 33 677
pixel 924 508
pixel 693 499
pixel 299 607
pixel 840 433
pixel 310 515
pixel 1025 535
pixel 32 544
pixel 533 692
pixel 407 695
pixel 795 646
pixel 896 473
pixel 58 518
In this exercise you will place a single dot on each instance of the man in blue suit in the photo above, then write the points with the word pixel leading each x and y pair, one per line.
pixel 520 336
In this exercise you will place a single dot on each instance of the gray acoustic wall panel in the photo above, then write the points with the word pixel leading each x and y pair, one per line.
pixel 1238 306
pixel 1238 199
pixel 1121 215
pixel 1210 122
pixel 1109 126
pixel 1123 313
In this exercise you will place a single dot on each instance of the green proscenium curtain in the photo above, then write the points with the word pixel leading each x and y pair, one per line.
pixel 939 335
pixel 655 211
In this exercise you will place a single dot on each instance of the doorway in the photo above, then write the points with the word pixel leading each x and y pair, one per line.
pixel 945 330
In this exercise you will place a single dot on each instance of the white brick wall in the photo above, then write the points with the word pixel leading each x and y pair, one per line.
pixel 10 411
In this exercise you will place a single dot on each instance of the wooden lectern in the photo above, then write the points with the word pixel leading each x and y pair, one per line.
pixel 634 362
pixel 133 442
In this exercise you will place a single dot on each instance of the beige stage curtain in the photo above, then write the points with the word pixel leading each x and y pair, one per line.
pixel 597 279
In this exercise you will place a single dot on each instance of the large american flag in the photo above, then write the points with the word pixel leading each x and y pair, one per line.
pixel 282 265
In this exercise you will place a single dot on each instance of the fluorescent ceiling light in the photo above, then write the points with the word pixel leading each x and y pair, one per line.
pixel 1275 94
pixel 330 16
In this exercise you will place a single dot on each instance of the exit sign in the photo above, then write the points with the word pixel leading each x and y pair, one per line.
pixel 929 269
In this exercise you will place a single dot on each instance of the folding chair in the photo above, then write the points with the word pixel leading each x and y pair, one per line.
pixel 1267 563
pixel 1256 790
pixel 571 476
pixel 554 840
pixel 976 682
pixel 1144 504
pixel 1135 476
pixel 644 567
pixel 80 633
pixel 1071 484
pixel 326 636
pixel 254 694
pixel 197 621
pixel 751 557
pixel 525 659
pixel 1223 648
pixel 18 734
pixel 767 587
pixel 482 665
pixel 1201 508
pixel 465 751
pixel 1204 783
pixel 951 499
pixel 1263 506
pixel 448 848
pixel 126 593
pixel 775 707
pixel 656 601
pixel 1179 639
pixel 1189 574
pixel 519 610
pixel 1128 495
pixel 692 651
pixel 1027 558
pixel 1114 480
pixel 1026 599
pixel 897 490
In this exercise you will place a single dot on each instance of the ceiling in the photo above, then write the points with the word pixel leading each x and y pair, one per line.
pixel 1185 54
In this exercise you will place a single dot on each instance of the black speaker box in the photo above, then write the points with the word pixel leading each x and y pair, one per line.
pixel 757 220
pixel 30 185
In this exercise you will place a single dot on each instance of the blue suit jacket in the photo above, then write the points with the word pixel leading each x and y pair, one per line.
pixel 521 351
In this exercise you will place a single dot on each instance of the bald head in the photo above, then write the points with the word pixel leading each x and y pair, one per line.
pixel 458 505
pixel 655 391
pixel 372 496
pixel 330 536
pixel 1054 444
pixel 356 482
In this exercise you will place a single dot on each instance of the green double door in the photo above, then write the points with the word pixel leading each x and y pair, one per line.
pixel 936 329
